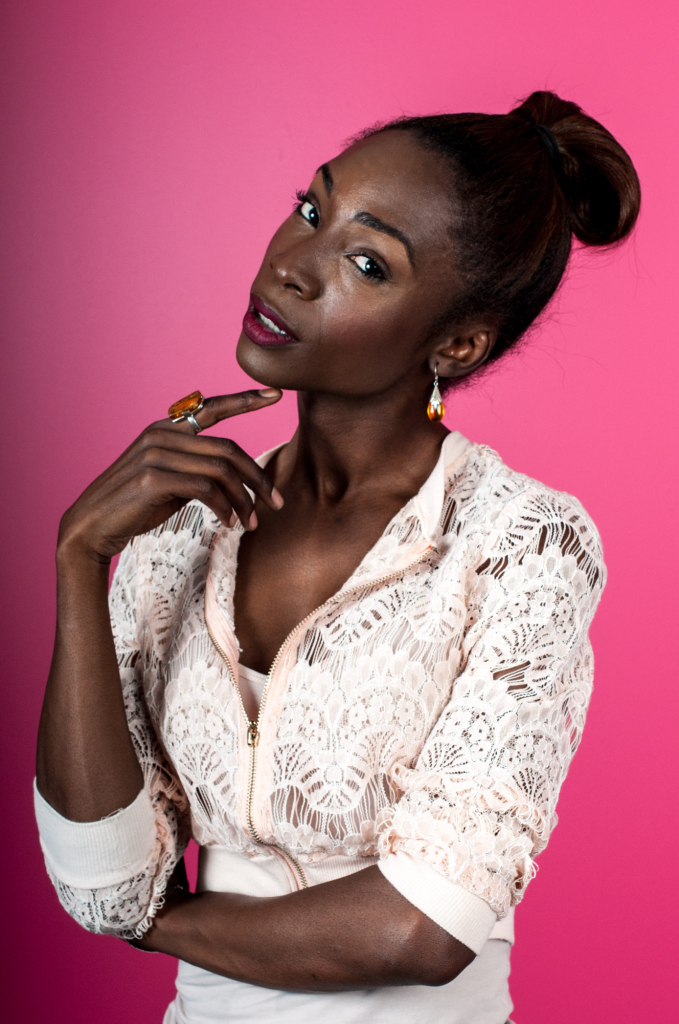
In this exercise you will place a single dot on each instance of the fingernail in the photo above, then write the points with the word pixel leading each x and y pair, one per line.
pixel 271 392
pixel 233 519
pixel 252 521
pixel 277 498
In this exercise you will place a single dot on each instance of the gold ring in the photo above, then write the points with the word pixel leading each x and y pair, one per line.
pixel 186 408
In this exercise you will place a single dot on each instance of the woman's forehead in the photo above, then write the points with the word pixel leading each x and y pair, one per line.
pixel 398 177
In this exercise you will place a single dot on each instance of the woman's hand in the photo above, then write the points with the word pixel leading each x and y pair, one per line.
pixel 166 467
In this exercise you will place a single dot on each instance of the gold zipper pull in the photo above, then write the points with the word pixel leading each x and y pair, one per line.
pixel 253 734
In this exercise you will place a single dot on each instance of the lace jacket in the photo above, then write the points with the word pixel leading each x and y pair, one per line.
pixel 430 708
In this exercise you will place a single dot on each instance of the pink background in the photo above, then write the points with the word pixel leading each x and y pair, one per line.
pixel 150 149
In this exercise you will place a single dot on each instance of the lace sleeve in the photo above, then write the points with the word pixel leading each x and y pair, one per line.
pixel 479 803
pixel 126 908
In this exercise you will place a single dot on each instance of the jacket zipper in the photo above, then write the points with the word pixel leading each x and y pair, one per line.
pixel 253 728
pixel 253 741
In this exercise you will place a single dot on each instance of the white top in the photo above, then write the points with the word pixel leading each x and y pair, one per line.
pixel 423 718
pixel 251 684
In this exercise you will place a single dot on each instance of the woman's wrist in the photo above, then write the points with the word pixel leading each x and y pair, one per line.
pixel 168 930
pixel 74 556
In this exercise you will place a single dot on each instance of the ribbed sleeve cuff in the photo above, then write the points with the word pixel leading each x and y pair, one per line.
pixel 96 854
pixel 459 912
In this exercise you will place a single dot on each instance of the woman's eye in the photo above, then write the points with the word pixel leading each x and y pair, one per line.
pixel 368 266
pixel 306 209
pixel 310 213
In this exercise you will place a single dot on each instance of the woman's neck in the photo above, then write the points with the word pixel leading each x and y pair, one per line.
pixel 346 447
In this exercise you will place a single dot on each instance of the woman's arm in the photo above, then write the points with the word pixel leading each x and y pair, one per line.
pixel 351 933
pixel 480 801
pixel 86 764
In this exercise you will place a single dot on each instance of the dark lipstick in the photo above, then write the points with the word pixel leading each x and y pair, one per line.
pixel 262 333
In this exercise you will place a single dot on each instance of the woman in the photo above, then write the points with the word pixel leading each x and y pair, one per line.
pixel 369 811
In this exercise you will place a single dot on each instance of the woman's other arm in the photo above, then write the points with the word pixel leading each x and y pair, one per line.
pixel 352 933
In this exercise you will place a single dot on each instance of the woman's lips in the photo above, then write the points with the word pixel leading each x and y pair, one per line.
pixel 263 325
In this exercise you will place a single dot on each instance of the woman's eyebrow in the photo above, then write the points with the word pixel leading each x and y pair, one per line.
pixel 327 178
pixel 370 221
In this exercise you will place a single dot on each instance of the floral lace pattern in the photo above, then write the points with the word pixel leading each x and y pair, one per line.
pixel 432 706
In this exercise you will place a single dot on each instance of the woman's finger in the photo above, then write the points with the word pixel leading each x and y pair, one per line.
pixel 221 407
pixel 160 487
pixel 217 448
pixel 218 469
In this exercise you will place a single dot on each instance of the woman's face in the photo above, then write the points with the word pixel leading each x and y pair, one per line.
pixel 357 276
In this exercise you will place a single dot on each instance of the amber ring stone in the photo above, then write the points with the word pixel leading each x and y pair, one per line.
pixel 193 403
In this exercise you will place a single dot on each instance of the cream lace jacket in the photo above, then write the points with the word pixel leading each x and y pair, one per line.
pixel 423 718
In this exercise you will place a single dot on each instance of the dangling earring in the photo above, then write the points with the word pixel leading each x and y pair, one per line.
pixel 436 408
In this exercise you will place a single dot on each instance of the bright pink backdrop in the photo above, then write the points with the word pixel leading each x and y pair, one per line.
pixel 150 148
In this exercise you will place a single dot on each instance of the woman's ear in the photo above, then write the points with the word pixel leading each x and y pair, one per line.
pixel 458 355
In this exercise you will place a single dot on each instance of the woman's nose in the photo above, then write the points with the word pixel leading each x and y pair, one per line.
pixel 291 271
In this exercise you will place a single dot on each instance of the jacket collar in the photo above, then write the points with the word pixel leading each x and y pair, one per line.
pixel 429 500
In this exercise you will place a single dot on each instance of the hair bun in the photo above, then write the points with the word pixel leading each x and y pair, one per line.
pixel 596 174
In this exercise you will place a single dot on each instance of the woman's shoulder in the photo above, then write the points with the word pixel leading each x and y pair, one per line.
pixel 485 491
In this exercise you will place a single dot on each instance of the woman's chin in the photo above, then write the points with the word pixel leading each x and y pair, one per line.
pixel 256 361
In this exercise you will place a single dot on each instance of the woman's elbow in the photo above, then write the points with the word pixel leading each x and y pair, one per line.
pixel 429 955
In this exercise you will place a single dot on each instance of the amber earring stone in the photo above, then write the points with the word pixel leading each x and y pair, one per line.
pixel 436 412
pixel 436 409
pixel 192 403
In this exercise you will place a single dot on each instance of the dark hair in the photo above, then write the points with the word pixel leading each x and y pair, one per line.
pixel 520 194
